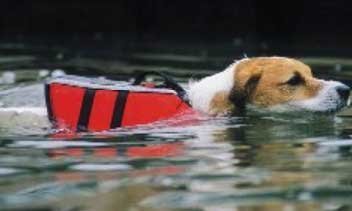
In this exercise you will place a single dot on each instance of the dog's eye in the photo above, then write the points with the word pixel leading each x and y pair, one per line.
pixel 295 80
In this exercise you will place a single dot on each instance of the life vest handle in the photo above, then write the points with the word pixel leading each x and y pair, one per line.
pixel 168 81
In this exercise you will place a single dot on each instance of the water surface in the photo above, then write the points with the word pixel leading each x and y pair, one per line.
pixel 254 162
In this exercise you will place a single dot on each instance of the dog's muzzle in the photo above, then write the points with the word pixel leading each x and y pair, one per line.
pixel 332 97
pixel 343 91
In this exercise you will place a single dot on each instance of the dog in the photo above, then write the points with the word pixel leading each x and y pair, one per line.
pixel 276 84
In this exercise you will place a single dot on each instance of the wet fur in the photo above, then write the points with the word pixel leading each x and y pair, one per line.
pixel 263 82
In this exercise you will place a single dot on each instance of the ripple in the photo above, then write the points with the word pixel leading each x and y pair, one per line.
pixel 183 199
pixel 337 143
pixel 100 167
pixel 9 171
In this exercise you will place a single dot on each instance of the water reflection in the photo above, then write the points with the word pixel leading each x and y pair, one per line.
pixel 225 164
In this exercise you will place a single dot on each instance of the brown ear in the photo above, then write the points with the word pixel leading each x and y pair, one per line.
pixel 241 92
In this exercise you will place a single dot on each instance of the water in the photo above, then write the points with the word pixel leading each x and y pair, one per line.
pixel 255 162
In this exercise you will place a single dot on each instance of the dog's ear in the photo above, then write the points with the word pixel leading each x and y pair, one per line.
pixel 242 92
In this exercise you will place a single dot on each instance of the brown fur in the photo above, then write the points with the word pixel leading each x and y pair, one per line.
pixel 263 81
pixel 220 103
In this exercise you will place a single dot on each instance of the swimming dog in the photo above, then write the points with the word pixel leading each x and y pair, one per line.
pixel 277 84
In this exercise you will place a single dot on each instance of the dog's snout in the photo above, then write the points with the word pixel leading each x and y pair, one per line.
pixel 343 91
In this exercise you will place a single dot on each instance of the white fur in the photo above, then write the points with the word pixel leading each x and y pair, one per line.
pixel 201 92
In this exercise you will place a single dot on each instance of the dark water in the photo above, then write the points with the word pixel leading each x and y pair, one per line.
pixel 256 162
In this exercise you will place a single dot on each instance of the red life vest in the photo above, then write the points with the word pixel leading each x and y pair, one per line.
pixel 82 104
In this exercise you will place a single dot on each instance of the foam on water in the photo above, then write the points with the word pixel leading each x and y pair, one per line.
pixel 23 111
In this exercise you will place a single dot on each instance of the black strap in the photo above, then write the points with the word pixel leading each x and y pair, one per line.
pixel 119 108
pixel 86 109
pixel 48 102
pixel 169 83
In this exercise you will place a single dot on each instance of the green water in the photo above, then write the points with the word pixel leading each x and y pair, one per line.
pixel 256 162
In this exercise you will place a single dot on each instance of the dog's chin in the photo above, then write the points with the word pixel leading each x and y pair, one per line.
pixel 304 106
pixel 331 103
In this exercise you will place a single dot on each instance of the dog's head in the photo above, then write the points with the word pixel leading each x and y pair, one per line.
pixel 284 84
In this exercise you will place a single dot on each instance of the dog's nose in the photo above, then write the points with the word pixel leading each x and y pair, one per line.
pixel 343 91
